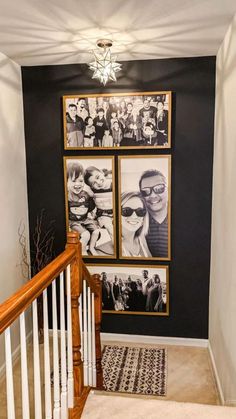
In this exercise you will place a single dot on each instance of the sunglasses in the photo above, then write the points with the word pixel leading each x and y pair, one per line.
pixel 158 189
pixel 127 211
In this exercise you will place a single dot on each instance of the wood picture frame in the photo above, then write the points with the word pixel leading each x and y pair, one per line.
pixel 90 203
pixel 134 289
pixel 144 207
pixel 117 121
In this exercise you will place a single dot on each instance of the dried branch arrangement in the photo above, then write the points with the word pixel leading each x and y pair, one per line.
pixel 41 246
pixel 41 254
pixel 25 263
pixel 43 239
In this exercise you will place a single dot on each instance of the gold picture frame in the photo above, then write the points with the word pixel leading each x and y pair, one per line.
pixel 135 292
pixel 131 121
pixel 90 203
pixel 144 185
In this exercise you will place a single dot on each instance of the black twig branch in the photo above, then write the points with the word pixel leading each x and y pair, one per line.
pixel 25 264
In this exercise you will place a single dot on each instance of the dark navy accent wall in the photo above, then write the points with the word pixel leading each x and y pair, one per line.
pixel 192 81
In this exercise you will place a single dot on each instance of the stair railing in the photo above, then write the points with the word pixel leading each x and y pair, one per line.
pixel 71 361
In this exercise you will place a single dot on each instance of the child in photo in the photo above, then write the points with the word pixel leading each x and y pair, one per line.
pixel 80 204
pixel 119 304
pixel 107 140
pixel 100 243
pixel 83 223
pixel 89 133
pixel 149 134
pixel 75 180
pixel 114 118
pixel 100 126
pixel 116 134
pixel 100 182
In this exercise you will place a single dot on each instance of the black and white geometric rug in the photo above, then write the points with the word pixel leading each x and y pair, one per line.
pixel 135 370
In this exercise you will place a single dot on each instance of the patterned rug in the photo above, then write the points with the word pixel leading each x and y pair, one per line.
pixel 135 370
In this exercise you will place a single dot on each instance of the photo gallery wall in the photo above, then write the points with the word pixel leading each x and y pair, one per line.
pixel 120 204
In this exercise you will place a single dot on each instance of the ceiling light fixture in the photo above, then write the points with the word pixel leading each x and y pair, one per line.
pixel 105 65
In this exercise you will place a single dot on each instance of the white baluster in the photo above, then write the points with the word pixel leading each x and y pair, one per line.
pixel 24 370
pixel 47 372
pixel 37 378
pixel 64 406
pixel 90 375
pixel 81 327
pixel 69 342
pixel 57 408
pixel 93 344
pixel 85 334
pixel 9 376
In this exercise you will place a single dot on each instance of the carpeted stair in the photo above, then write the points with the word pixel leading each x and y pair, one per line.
pixel 100 406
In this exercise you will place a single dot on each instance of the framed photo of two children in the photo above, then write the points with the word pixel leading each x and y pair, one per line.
pixel 142 209
pixel 125 120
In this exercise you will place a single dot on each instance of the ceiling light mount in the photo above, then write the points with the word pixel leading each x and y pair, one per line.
pixel 104 43
pixel 104 66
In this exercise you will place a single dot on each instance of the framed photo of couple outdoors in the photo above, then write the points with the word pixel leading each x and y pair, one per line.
pixel 90 203
pixel 144 207
pixel 120 120
pixel 143 290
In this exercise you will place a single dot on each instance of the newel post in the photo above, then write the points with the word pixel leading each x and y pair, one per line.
pixel 76 289
pixel 98 320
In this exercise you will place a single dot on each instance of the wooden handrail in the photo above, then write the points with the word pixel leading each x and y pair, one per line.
pixel 21 300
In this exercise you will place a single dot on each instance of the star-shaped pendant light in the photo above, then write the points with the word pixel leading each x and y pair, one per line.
pixel 105 65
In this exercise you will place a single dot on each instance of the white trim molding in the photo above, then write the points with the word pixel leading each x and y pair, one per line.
pixel 230 403
pixel 218 383
pixel 154 340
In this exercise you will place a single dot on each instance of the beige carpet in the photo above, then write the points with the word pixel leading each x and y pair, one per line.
pixel 119 407
pixel 190 377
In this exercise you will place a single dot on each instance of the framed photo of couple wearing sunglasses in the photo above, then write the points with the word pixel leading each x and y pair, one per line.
pixel 144 207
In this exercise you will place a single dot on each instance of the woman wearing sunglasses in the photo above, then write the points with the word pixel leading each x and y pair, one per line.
pixel 134 223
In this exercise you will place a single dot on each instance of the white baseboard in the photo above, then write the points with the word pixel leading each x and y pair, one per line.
pixel 15 356
pixel 230 403
pixel 154 340
pixel 218 383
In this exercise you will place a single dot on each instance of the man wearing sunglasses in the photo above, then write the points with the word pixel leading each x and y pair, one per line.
pixel 153 188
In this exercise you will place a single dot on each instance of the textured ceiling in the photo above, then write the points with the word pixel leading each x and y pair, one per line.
pixel 39 32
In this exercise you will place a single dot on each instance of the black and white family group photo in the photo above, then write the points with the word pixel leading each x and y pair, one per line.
pixel 142 290
pixel 127 120
pixel 145 207
pixel 90 206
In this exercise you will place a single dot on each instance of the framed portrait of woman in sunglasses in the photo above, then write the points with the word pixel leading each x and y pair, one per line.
pixel 144 207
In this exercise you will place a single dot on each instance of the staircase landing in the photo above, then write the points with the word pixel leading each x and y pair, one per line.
pixel 100 406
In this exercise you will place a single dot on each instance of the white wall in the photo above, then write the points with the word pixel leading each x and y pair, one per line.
pixel 13 190
pixel 222 320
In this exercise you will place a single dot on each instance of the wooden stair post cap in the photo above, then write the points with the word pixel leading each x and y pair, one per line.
pixel 73 237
